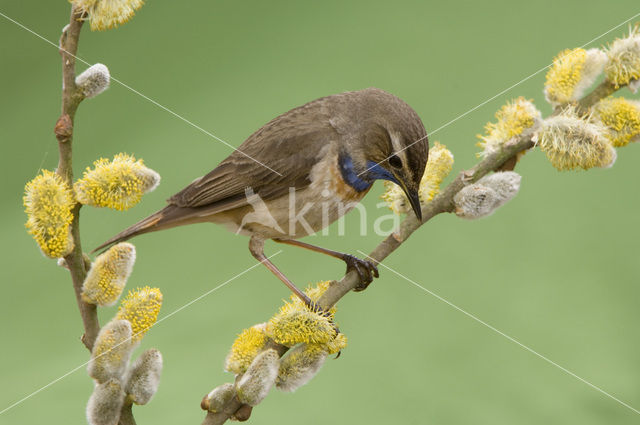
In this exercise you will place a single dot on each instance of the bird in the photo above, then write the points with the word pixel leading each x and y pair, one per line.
pixel 302 171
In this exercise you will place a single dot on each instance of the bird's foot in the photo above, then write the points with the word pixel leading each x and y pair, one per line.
pixel 366 270
pixel 316 308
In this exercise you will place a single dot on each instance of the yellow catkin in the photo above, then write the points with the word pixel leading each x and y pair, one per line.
pixel 623 65
pixel 571 142
pixel 438 167
pixel 295 323
pixel 245 348
pixel 338 343
pixel 108 275
pixel 572 73
pixel 622 119
pixel 140 308
pixel 48 202
pixel 117 184
pixel 107 14
pixel 512 120
pixel 564 75
pixel 395 198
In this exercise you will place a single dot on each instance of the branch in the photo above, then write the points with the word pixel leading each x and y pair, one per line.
pixel 442 203
pixel 71 98
pixel 606 88
pixel 126 415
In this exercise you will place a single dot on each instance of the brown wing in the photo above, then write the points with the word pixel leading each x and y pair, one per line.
pixel 277 156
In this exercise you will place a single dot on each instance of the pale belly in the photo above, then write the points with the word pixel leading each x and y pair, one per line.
pixel 299 213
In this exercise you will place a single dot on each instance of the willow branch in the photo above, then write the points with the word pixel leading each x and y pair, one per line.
pixel 71 98
pixel 126 415
pixel 606 88
pixel 442 203
pixel 75 261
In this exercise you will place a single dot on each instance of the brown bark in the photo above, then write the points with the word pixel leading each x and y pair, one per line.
pixel 71 98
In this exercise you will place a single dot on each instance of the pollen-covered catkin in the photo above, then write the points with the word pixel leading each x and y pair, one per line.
pixel 395 198
pixel 94 80
pixel 623 64
pixel 255 384
pixel 438 167
pixel 107 14
pixel 105 403
pixel 572 73
pixel 48 202
pixel 245 348
pixel 108 275
pixel 300 366
pixel 111 351
pixel 296 323
pixel 338 343
pixel 140 308
pixel 144 377
pixel 117 184
pixel 571 141
pixel 218 397
pixel 621 117
pixel 514 119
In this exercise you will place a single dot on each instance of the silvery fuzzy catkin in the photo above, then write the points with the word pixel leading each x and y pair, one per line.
pixel 300 366
pixel 103 407
pixel 111 351
pixel 257 381
pixel 144 377
pixel 94 80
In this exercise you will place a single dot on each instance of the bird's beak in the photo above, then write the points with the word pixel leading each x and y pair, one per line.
pixel 414 200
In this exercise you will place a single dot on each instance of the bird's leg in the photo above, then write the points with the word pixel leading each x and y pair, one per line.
pixel 366 270
pixel 256 247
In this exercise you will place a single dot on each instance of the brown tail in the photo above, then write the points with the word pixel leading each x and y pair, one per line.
pixel 169 216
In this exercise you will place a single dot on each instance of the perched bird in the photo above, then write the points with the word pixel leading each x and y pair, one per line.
pixel 302 171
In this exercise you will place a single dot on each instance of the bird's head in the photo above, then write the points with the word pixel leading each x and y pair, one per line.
pixel 390 144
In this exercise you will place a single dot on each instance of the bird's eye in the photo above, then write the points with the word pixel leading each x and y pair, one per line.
pixel 395 161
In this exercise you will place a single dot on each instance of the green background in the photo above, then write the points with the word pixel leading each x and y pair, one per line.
pixel 556 268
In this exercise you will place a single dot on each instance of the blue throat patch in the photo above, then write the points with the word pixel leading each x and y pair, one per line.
pixel 365 180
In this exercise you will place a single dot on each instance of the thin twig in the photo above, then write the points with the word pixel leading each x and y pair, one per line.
pixel 126 415
pixel 606 88
pixel 71 98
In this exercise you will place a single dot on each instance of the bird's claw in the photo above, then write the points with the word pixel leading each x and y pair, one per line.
pixel 316 308
pixel 366 270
